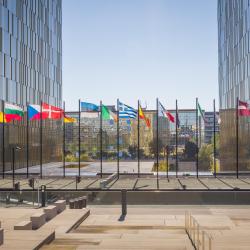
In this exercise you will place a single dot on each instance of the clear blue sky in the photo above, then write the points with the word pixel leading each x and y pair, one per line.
pixel 140 49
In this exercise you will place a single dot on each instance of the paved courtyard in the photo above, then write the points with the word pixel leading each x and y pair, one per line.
pixel 131 182
pixel 144 227
pixel 91 168
pixel 158 227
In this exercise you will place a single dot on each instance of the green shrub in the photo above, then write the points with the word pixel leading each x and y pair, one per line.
pixel 84 157
pixel 162 166
pixel 70 158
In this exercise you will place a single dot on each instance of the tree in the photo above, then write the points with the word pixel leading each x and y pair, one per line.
pixel 205 157
pixel 217 143
pixel 153 146
pixel 132 149
pixel 190 150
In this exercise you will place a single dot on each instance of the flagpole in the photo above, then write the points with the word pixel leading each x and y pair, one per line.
pixel 79 139
pixel 64 166
pixel 157 141
pixel 27 142
pixel 197 141
pixel 138 139
pixel 167 159
pixel 118 141
pixel 199 134
pixel 101 137
pixel 214 139
pixel 41 140
pixel 3 141
pixel 237 137
pixel 176 140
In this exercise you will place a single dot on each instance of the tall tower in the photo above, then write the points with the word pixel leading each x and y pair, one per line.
pixel 234 80
pixel 30 70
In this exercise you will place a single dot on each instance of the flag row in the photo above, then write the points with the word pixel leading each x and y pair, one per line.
pixel 45 111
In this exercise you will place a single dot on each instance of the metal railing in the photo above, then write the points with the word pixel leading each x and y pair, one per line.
pixel 199 238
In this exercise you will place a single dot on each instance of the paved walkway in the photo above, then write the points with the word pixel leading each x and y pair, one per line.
pixel 143 228
pixel 91 168
pixel 133 183
pixel 157 227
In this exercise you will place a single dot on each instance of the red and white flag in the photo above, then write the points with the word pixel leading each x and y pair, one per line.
pixel 165 113
pixel 51 112
pixel 243 108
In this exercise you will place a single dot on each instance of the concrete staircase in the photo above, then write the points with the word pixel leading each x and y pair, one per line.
pixel 118 237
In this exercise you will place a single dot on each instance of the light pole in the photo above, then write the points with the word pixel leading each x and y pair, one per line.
pixel 14 149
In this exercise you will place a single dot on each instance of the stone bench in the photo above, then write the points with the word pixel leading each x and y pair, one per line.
pixel 38 220
pixel 60 205
pixel 23 225
pixel 1 236
pixel 50 212
pixel 78 203
pixel 109 179
pixel 71 204
pixel 83 202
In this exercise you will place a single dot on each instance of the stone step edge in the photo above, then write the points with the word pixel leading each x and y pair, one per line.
pixel 79 221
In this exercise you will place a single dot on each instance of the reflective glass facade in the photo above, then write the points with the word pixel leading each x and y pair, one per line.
pixel 31 72
pixel 31 51
pixel 234 80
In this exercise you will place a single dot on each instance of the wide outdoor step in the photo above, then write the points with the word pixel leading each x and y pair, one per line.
pixel 123 237
pixel 139 235
pixel 115 244
pixel 154 236
pixel 19 239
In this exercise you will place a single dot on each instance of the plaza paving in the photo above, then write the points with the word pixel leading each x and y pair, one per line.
pixel 157 227
pixel 91 168
pixel 132 182
pixel 144 227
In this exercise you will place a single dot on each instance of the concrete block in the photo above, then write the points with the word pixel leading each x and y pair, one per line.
pixel 38 220
pixel 76 203
pixel 83 202
pixel 61 205
pixel 23 225
pixel 71 204
pixel 50 212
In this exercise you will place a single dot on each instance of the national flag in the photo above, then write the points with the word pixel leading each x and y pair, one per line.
pixel 201 111
pixel 243 108
pixel 86 106
pixel 108 114
pixel 165 113
pixel 126 111
pixel 2 118
pixel 148 123
pixel 142 116
pixel 68 119
pixel 13 112
pixel 34 112
pixel 51 112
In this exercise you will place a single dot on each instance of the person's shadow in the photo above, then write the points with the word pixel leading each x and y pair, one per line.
pixel 122 217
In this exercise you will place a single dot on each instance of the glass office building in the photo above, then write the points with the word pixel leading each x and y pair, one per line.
pixel 234 80
pixel 209 126
pixel 30 71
